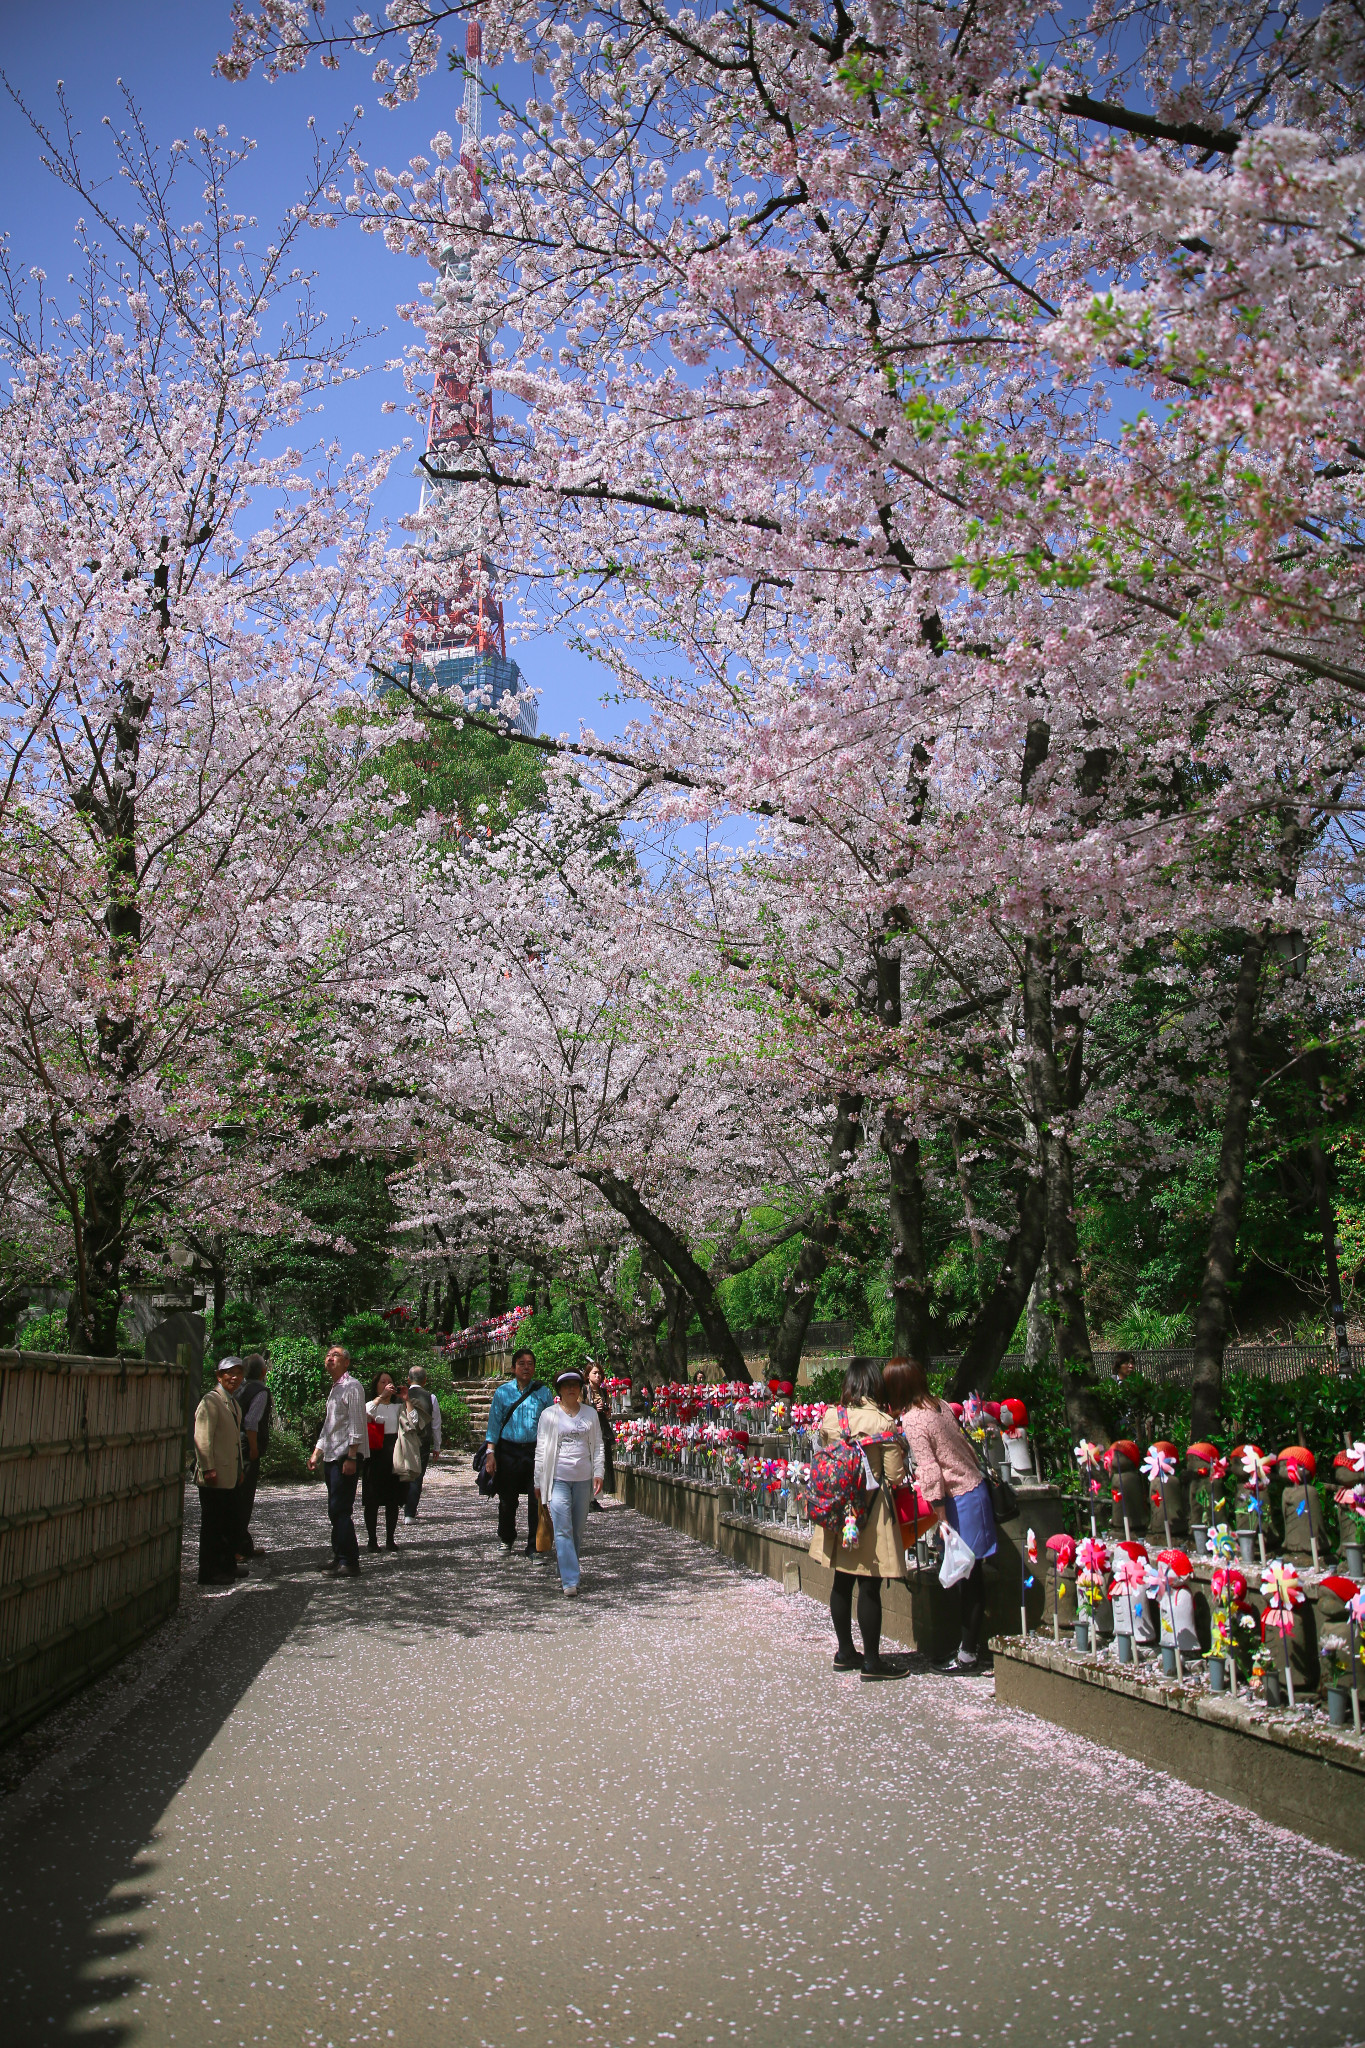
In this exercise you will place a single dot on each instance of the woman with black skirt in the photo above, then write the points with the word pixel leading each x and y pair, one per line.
pixel 380 1487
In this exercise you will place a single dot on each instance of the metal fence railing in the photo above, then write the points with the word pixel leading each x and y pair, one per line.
pixel 92 1482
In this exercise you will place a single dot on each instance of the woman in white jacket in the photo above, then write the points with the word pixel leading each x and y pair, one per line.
pixel 570 1461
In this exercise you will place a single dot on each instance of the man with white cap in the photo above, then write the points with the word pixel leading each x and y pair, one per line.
pixel 217 1474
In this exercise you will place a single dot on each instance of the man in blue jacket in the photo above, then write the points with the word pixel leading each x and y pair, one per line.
pixel 510 1447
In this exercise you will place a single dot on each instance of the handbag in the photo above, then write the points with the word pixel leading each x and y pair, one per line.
pixel 407 1452
pixel 545 1531
pixel 376 1434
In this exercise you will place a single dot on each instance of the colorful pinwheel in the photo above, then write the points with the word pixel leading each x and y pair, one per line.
pixel 1130 1574
pixel 1228 1584
pixel 1283 1593
pixel 1257 1467
pixel 1089 1456
pixel 1157 1465
pixel 1221 1542
pixel 1063 1549
pixel 1356 1454
pixel 1356 1609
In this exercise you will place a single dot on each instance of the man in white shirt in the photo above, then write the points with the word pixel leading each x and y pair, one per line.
pixel 341 1446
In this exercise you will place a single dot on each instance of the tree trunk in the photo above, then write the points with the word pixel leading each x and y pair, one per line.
pixel 92 1317
pixel 497 1285
pixel 995 1320
pixel 784 1354
pixel 664 1241
pixel 964 1186
pixel 1066 1285
pixel 909 1271
pixel 1215 1289
pixel 678 1307
pixel 1038 1333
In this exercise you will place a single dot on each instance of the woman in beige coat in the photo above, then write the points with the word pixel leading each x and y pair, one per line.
pixel 879 1554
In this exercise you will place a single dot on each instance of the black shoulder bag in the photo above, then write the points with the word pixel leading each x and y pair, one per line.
pixel 483 1478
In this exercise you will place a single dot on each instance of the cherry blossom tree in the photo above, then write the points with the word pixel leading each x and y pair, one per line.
pixel 969 396
pixel 188 598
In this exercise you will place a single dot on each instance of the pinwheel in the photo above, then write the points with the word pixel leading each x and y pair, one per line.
pixel 1355 1454
pixel 1355 1611
pixel 1026 1580
pixel 1258 1469
pixel 1090 1459
pixel 973 1414
pixel 1172 1568
pixel 1129 1583
pixel 1283 1593
pixel 1063 1548
pixel 1092 1559
pixel 1221 1542
pixel 1158 1464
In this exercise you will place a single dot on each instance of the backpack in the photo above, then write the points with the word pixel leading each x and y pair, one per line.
pixel 839 1495
pixel 421 1399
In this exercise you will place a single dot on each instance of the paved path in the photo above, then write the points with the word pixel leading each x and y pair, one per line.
pixel 445 1805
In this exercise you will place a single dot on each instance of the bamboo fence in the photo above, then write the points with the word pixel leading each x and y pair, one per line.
pixel 92 1472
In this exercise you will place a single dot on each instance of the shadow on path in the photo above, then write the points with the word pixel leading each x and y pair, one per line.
pixel 78 1891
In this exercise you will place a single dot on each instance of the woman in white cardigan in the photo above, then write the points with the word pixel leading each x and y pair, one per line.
pixel 570 1461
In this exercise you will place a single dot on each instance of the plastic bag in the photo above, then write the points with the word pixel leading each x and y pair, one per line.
pixel 957 1558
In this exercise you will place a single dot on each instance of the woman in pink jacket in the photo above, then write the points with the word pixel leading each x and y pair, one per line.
pixel 951 1480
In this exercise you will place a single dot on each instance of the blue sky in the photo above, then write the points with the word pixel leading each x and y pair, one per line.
pixel 164 52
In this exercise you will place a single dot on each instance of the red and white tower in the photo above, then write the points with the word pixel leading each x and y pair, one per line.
pixel 458 635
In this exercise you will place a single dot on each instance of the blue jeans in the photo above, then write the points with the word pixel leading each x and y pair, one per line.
pixel 341 1488
pixel 568 1504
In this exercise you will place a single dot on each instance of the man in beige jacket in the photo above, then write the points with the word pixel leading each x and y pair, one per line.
pixel 218 1473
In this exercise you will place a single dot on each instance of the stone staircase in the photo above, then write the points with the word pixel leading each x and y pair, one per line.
pixel 479 1395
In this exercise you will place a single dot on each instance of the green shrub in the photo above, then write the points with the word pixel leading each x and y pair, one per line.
pixel 286 1454
pixel 298 1379
pixel 239 1329
pixel 378 1346
pixel 457 1430
pixel 44 1333
pixel 1147 1329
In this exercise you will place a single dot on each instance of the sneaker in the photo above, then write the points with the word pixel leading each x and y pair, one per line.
pixel 874 1673
pixel 571 1592
pixel 847 1664
pixel 331 1568
pixel 407 1517
pixel 948 1664
pixel 968 1660
pixel 503 1549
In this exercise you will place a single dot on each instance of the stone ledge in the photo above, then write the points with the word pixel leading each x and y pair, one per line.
pixel 1311 1779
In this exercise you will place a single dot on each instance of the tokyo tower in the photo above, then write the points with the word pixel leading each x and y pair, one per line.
pixel 459 637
